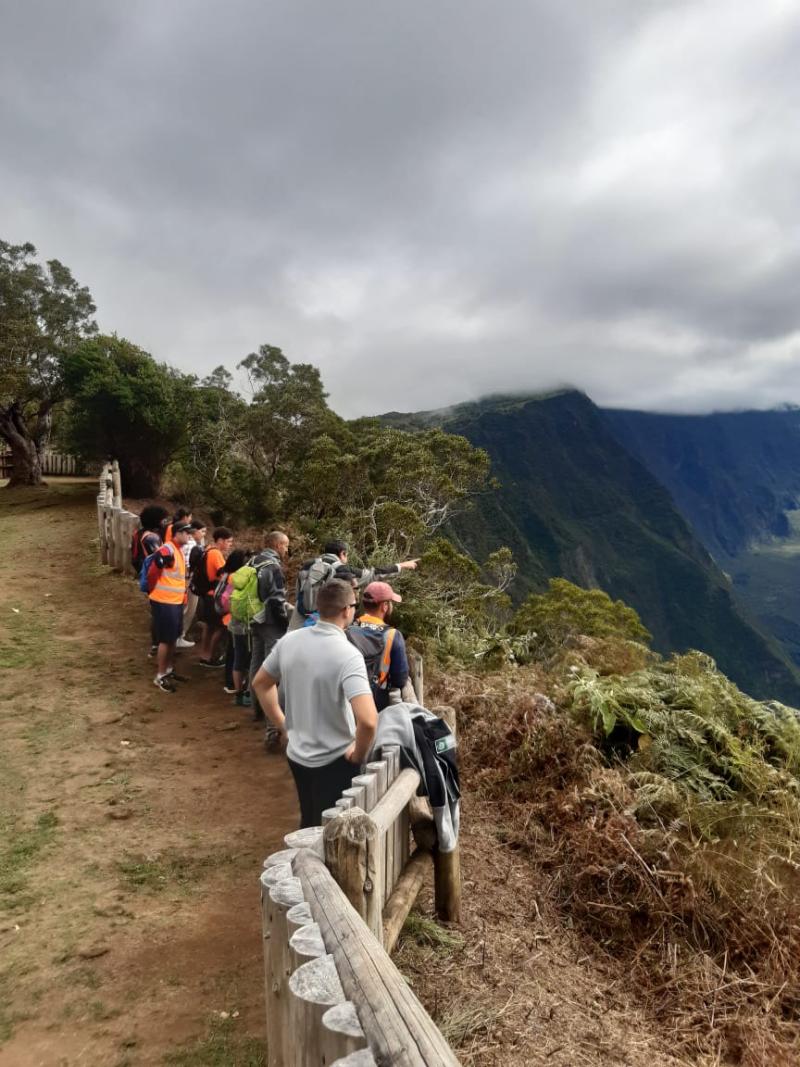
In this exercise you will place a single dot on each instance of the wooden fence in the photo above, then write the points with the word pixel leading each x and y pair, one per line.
pixel 334 900
pixel 53 463
pixel 333 904
pixel 115 525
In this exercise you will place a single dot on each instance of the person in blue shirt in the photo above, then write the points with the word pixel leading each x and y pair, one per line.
pixel 379 599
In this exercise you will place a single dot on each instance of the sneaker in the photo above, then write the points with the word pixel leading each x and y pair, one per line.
pixel 173 677
pixel 211 662
pixel 231 690
pixel 153 651
pixel 243 699
pixel 164 684
pixel 183 643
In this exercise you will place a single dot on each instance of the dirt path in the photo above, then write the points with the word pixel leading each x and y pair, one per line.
pixel 132 823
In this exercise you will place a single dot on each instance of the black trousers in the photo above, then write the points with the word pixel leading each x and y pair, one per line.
pixel 320 787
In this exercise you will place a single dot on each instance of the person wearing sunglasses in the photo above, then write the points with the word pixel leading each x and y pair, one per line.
pixel 330 717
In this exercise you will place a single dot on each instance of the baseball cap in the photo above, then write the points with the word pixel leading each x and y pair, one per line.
pixel 182 527
pixel 377 592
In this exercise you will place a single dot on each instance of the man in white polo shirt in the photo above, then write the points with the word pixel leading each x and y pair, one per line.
pixel 330 718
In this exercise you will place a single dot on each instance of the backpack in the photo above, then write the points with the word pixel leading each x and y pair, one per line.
pixel 200 584
pixel 312 578
pixel 376 648
pixel 222 596
pixel 244 600
pixel 137 549
pixel 148 575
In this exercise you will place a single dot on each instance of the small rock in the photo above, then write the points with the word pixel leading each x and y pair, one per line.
pixel 120 813
pixel 227 726
pixel 93 951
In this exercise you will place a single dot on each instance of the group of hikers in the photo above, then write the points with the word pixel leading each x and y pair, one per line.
pixel 317 671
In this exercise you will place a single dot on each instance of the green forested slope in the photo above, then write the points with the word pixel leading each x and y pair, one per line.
pixel 571 501
pixel 733 475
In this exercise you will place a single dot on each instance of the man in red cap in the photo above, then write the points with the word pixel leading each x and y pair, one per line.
pixel 382 645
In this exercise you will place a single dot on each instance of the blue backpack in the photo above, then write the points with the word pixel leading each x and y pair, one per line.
pixel 145 584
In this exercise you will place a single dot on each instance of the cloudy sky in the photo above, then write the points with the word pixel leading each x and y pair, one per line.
pixel 430 201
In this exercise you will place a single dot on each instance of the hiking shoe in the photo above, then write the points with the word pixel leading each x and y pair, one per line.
pixel 173 677
pixel 152 652
pixel 164 684
pixel 231 690
pixel 211 662
pixel 183 643
pixel 243 699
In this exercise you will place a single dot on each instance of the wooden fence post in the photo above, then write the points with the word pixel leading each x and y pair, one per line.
pixel 447 865
pixel 354 857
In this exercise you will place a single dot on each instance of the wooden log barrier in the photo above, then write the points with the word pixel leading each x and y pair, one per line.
pixel 280 898
pixel 398 1030
pixel 447 865
pixel 404 897
pixel 354 856
pixel 308 1020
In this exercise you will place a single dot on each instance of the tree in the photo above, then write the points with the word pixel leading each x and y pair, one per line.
pixel 44 313
pixel 287 411
pixel 566 611
pixel 126 405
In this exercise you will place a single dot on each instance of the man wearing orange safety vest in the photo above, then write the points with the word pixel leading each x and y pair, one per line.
pixel 167 595
pixel 382 646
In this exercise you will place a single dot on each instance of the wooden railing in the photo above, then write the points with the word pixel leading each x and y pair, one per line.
pixel 115 525
pixel 361 896
pixel 53 464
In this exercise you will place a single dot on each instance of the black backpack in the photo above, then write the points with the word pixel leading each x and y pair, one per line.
pixel 199 583
pixel 376 648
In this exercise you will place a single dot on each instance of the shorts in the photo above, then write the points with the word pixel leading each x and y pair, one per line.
pixel 167 622
pixel 207 613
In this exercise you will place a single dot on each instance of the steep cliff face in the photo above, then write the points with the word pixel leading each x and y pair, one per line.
pixel 733 475
pixel 572 501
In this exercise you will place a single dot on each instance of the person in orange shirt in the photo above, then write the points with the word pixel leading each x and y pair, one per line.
pixel 181 517
pixel 167 583
pixel 204 584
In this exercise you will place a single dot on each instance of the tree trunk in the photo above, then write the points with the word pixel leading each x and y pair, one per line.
pixel 24 453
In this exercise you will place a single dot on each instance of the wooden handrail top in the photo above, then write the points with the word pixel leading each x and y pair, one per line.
pixel 399 1031
pixel 396 797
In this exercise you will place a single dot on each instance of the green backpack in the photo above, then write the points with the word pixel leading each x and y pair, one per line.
pixel 245 604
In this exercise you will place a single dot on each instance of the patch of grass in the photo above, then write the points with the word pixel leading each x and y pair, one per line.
pixel 429 933
pixel 222 1047
pixel 20 853
pixel 26 640
pixel 165 870
pixel 466 1021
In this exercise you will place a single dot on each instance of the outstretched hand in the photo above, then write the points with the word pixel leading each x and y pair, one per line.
pixel 409 565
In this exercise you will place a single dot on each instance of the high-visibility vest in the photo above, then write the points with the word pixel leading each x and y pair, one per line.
pixel 171 585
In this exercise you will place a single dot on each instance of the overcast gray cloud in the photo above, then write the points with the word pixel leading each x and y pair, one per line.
pixel 430 202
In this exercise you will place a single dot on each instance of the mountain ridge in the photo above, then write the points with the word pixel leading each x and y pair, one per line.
pixel 572 501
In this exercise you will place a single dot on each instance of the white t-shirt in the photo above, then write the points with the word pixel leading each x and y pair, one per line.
pixel 320 672
pixel 187 549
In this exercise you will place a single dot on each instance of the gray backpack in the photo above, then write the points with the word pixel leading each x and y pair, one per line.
pixel 312 578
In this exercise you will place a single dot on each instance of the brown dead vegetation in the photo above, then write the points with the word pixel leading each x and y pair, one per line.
pixel 702 933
